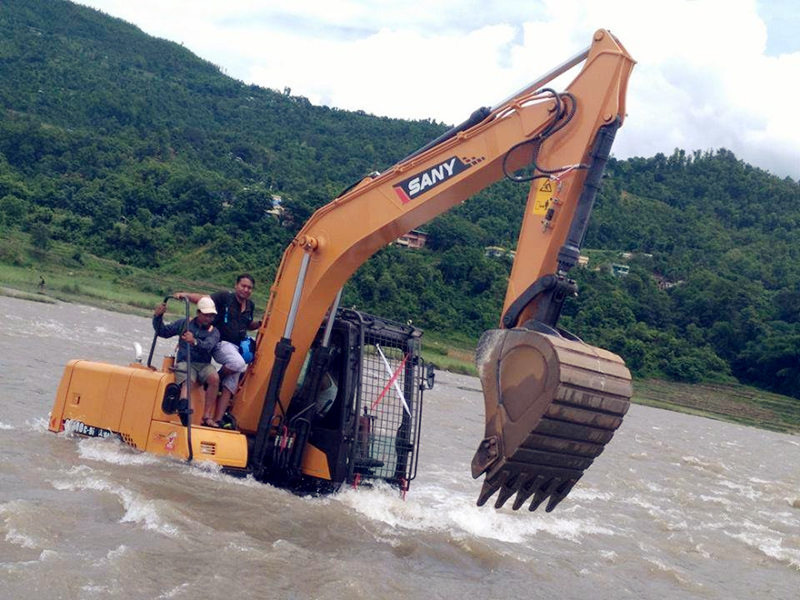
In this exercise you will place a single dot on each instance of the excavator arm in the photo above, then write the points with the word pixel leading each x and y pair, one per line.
pixel 561 141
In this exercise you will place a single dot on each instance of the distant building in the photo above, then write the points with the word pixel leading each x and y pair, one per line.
pixel 583 261
pixel 414 239
pixel 277 206
pixel 618 270
pixel 664 284
pixel 498 252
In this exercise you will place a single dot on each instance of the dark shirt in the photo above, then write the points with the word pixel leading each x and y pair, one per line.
pixel 206 338
pixel 231 320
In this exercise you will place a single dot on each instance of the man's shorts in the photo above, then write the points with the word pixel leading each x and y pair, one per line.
pixel 200 371
pixel 228 355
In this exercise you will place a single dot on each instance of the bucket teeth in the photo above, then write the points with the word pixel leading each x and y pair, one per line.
pixel 506 491
pixel 490 486
pixel 560 493
pixel 542 493
pixel 526 491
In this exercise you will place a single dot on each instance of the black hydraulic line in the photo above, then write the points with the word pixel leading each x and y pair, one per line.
pixel 563 114
pixel 476 117
pixel 283 353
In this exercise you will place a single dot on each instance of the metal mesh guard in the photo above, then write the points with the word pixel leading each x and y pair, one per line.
pixel 388 423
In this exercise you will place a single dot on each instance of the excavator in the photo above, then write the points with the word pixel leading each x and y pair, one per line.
pixel 552 402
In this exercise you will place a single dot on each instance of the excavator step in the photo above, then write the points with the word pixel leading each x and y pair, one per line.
pixel 552 404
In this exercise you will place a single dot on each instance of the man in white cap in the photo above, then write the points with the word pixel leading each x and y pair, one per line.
pixel 202 337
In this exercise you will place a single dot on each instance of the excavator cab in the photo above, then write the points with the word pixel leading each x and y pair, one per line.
pixel 357 411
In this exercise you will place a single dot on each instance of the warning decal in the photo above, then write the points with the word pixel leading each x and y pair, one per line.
pixel 544 195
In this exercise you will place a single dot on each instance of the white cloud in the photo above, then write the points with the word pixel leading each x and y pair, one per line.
pixel 704 79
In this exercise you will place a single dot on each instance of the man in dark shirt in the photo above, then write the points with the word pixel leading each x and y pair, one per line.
pixel 234 318
pixel 202 337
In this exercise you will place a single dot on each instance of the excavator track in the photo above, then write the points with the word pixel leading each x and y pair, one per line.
pixel 552 404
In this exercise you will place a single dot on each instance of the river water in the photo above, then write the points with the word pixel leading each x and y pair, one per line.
pixel 677 506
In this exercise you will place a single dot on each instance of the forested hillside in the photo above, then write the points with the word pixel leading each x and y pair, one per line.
pixel 132 148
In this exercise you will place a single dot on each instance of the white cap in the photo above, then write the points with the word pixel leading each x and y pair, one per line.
pixel 206 305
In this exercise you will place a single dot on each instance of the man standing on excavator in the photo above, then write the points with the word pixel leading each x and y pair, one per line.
pixel 201 338
pixel 234 318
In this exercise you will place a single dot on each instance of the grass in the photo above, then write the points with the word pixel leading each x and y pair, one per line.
pixel 456 356
pixel 734 403
pixel 73 276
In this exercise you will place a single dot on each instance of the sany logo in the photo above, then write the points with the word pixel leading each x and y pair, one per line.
pixel 415 185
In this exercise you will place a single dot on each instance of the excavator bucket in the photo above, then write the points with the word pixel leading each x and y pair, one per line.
pixel 552 404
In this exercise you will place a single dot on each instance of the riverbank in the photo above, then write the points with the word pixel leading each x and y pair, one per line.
pixel 85 279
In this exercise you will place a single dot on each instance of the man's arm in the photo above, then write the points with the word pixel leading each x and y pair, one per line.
pixel 253 323
pixel 192 297
pixel 165 330
pixel 208 342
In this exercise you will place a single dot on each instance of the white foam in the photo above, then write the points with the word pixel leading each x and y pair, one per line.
pixel 741 490
pixel 716 500
pixel 588 494
pixel 174 592
pixel 113 451
pixel 669 570
pixel 770 547
pixel 434 509
pixel 20 539
pixel 14 512
pixel 5 426
pixel 714 467
pixel 642 503
pixel 138 509
pixel 117 553
pixel 102 590
pixel 207 469
pixel 39 424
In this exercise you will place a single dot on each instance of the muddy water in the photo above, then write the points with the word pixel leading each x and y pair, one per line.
pixel 676 507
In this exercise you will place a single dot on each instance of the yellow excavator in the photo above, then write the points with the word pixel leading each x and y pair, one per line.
pixel 552 402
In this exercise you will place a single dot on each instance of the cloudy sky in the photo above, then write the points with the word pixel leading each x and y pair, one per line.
pixel 710 73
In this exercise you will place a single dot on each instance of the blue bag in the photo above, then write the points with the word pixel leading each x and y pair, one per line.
pixel 247 348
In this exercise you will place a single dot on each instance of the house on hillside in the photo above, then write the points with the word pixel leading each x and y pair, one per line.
pixel 498 252
pixel 277 206
pixel 619 270
pixel 414 239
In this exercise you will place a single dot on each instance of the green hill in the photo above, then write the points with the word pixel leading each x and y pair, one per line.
pixel 120 146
